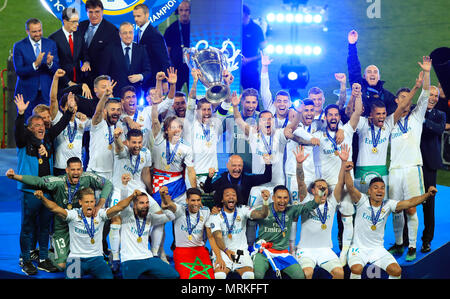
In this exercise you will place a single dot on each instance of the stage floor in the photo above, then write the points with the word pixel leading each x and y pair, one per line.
pixel 10 215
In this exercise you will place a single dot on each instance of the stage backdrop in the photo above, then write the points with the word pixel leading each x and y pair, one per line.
pixel 117 11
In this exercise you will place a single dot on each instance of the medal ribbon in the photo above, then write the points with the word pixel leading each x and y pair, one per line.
pixel 225 218
pixel 71 134
pixel 69 191
pixel 140 229
pixel 188 221
pixel 373 216
pixel 323 217
pixel 136 166
pixel 267 146
pixel 333 141
pixel 207 132
pixel 285 122
pixel 282 223
pixel 171 156
pixel 90 229
pixel 404 128
pixel 110 135
pixel 375 139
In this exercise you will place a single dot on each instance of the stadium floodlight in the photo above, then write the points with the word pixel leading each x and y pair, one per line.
pixel 317 50
pixel 307 50
pixel 289 49
pixel 289 18
pixel 298 50
pixel 280 17
pixel 308 18
pixel 299 18
pixel 271 17
pixel 270 49
pixel 293 76
pixel 317 19
pixel 279 49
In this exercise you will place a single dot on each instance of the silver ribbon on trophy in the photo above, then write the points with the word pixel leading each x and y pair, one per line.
pixel 212 62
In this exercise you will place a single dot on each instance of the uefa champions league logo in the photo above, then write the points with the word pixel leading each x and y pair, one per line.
pixel 116 11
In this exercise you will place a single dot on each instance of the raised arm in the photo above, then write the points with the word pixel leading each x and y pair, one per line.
pixel 54 93
pixel 117 141
pixel 51 205
pixel 196 74
pixel 354 119
pixel 353 64
pixel 264 211
pixel 114 210
pixel 235 101
pixel 300 157
pixel 343 155
pixel 412 202
pixel 156 125
pixel 266 95
pixel 342 78
pixel 355 195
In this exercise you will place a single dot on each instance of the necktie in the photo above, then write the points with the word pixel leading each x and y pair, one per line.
pixel 90 35
pixel 138 35
pixel 71 51
pixel 36 49
pixel 127 57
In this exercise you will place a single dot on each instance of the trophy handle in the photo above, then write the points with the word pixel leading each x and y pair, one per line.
pixel 200 42
pixel 232 65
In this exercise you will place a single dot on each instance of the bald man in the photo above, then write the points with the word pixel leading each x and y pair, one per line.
pixel 241 180
pixel 371 85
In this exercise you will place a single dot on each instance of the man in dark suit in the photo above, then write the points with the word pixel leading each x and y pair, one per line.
pixel 430 146
pixel 149 36
pixel 98 35
pixel 70 52
pixel 35 61
pixel 177 36
pixel 126 63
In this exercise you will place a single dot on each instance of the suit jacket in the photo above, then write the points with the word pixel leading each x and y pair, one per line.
pixel 29 80
pixel 107 34
pixel 114 65
pixel 66 61
pixel 430 142
pixel 157 53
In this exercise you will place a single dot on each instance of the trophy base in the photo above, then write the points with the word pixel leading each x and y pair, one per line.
pixel 217 93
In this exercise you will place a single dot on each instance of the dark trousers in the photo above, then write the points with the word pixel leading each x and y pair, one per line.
pixel 429 178
pixel 34 215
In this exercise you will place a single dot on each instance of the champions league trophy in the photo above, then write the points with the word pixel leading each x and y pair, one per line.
pixel 212 62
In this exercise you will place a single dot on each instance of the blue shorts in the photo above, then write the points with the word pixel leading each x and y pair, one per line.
pixel 154 266
pixel 95 266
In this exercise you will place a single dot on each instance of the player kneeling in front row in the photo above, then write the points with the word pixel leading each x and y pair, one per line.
pixel 85 231
pixel 229 230
pixel 371 215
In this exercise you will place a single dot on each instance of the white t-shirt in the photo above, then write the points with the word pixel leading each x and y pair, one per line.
pixel 183 155
pixel 205 153
pixel 101 158
pixel 258 148
pixel 238 233
pixel 62 150
pixel 405 152
pixel 123 163
pixel 80 241
pixel 312 235
pixel 329 163
pixel 363 235
pixel 181 227
pixel 144 118
pixel 309 167
pixel 130 248
pixel 366 157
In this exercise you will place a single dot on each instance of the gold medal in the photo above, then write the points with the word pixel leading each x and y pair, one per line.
pixel 267 156
pixel 374 150
pixel 336 153
pixel 139 239
pixel 92 241
pixel 110 147
pixel 70 145
pixel 141 118
pixel 208 143
pixel 324 226
pixel 69 206
pixel 284 234
pixel 373 227
pixel 229 236
pixel 167 167
pixel 40 161
pixel 190 237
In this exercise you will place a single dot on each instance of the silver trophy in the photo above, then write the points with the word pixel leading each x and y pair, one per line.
pixel 212 62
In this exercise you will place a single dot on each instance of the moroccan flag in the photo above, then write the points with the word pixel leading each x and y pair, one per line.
pixel 193 263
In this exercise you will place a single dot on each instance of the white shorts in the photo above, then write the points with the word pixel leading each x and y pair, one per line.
pixel 322 257
pixel 378 256
pixel 244 261
pixel 406 183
